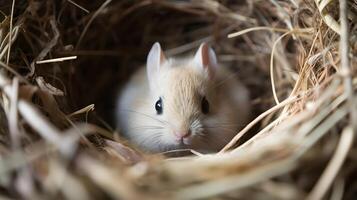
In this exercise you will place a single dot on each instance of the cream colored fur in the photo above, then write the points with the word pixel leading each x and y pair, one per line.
pixel 181 84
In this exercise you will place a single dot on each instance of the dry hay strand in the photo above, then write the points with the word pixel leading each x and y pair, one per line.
pixel 298 58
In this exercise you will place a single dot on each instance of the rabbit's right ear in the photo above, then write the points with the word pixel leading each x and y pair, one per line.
pixel 206 60
pixel 154 61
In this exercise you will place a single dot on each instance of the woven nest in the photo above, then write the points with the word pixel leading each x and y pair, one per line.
pixel 62 63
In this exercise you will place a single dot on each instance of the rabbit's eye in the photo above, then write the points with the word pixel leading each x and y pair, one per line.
pixel 204 106
pixel 158 106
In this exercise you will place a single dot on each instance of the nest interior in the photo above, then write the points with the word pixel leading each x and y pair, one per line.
pixel 63 62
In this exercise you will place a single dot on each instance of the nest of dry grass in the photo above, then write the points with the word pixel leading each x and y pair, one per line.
pixel 62 61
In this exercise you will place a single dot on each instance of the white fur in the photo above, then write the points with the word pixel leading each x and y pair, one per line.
pixel 154 62
pixel 181 83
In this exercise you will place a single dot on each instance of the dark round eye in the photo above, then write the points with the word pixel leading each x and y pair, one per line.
pixel 205 105
pixel 158 106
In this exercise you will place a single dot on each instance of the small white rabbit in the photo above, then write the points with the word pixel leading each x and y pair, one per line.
pixel 182 103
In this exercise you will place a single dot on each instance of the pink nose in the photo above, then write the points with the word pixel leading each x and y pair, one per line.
pixel 182 134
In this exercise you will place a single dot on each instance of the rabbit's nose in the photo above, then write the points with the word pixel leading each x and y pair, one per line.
pixel 181 134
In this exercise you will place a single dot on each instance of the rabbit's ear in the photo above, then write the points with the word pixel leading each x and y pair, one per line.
pixel 205 58
pixel 153 63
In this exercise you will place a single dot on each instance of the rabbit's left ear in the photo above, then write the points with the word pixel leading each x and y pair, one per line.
pixel 154 62
pixel 205 58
